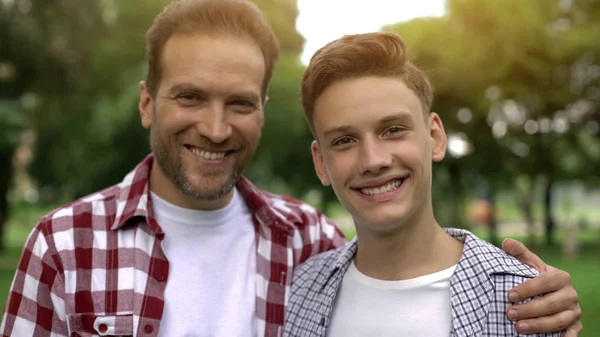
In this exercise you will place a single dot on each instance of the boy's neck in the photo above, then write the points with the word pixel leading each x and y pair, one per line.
pixel 415 250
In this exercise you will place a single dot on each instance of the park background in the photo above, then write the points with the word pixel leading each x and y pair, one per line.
pixel 517 85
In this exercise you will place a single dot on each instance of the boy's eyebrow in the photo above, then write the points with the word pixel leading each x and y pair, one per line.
pixel 338 129
pixel 403 117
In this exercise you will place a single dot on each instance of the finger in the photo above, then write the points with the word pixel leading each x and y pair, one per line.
pixel 550 304
pixel 556 322
pixel 573 331
pixel 523 254
pixel 549 281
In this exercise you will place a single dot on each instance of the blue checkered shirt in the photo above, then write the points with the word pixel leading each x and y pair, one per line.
pixel 479 290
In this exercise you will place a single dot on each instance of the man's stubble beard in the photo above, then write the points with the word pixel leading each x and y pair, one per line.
pixel 170 162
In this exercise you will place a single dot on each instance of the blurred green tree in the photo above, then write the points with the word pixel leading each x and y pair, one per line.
pixel 519 80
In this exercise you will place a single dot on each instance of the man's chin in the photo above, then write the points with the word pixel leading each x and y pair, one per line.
pixel 209 188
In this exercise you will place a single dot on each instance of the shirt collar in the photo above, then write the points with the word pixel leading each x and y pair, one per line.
pixel 477 254
pixel 344 257
pixel 133 201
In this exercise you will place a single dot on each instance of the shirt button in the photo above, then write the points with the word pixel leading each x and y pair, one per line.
pixel 161 278
pixel 102 328
pixel 148 329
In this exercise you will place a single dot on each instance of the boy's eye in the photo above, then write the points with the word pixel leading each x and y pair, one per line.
pixel 393 130
pixel 342 141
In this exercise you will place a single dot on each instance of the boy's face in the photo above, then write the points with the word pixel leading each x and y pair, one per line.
pixel 375 147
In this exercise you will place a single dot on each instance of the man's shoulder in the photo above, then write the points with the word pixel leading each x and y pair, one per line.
pixel 82 212
pixel 309 225
pixel 294 209
pixel 99 209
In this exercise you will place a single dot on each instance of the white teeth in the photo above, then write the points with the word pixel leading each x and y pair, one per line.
pixel 206 154
pixel 391 186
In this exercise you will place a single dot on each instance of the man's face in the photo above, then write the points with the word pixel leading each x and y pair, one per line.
pixel 375 147
pixel 207 115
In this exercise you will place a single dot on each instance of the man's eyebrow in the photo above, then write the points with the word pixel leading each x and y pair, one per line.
pixel 248 95
pixel 185 87
pixel 191 88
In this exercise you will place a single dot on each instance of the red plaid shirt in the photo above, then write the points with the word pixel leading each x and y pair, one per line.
pixel 95 267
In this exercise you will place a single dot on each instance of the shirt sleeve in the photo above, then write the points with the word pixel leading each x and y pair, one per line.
pixel 35 304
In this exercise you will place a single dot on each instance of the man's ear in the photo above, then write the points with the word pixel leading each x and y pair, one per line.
pixel 437 136
pixel 319 163
pixel 145 105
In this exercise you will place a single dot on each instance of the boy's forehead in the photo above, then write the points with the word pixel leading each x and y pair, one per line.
pixel 364 101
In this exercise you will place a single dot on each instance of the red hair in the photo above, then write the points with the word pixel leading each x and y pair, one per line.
pixel 240 18
pixel 352 56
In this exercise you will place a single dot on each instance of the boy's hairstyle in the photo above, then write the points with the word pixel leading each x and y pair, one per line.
pixel 352 56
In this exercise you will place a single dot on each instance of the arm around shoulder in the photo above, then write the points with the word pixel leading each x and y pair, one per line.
pixel 503 284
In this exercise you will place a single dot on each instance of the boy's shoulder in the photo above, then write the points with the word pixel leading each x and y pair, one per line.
pixel 485 258
pixel 319 267
pixel 480 285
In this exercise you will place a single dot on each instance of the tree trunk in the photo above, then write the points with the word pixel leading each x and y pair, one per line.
pixel 493 223
pixel 549 222
pixel 6 173
pixel 456 218
pixel 527 208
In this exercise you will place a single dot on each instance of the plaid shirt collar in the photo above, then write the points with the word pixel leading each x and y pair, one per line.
pixel 479 262
pixel 476 253
pixel 134 201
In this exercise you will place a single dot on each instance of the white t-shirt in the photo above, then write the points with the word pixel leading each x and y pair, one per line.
pixel 211 286
pixel 366 306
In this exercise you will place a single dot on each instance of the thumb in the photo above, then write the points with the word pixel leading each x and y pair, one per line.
pixel 523 254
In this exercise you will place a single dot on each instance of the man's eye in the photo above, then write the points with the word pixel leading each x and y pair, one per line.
pixel 188 98
pixel 343 141
pixel 244 104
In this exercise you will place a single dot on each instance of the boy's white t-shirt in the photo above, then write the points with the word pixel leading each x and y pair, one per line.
pixel 365 306
pixel 211 287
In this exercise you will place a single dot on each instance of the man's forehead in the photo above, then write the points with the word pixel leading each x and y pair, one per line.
pixel 219 54
pixel 219 70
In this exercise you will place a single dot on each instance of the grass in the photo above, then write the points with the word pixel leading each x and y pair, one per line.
pixel 585 270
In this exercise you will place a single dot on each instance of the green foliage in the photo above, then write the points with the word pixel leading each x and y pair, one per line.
pixel 86 120
pixel 485 56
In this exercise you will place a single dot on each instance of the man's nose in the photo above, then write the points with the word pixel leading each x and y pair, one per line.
pixel 214 125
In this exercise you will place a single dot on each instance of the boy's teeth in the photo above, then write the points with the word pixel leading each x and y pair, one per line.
pixel 391 186
pixel 206 154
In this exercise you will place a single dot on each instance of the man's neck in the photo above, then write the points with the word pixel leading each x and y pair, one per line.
pixel 162 186
pixel 414 250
